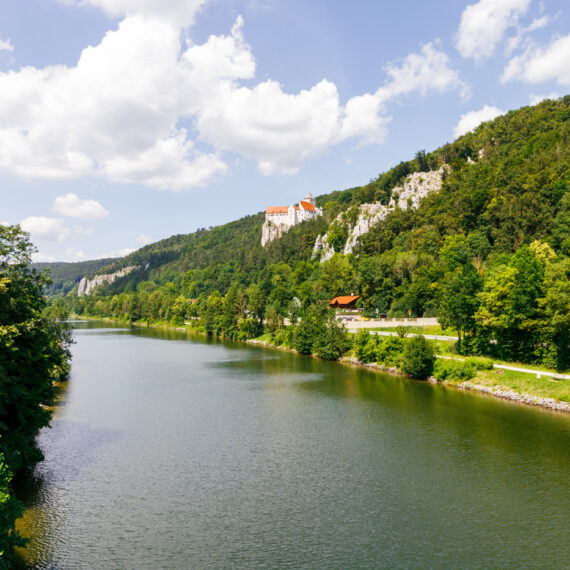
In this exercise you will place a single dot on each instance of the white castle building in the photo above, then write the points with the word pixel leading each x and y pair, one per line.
pixel 278 219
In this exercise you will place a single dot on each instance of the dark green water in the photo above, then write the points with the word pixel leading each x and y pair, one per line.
pixel 167 452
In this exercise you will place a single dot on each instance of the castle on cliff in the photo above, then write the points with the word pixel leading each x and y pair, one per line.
pixel 278 219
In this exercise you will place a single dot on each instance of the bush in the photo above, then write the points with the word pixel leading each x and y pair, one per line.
pixel 418 358
pixel 454 370
pixel 333 341
pixel 480 362
pixel 360 341
pixel 389 351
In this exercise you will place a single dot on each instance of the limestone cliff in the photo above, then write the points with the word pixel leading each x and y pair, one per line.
pixel 86 286
pixel 416 186
pixel 271 231
pixel 323 248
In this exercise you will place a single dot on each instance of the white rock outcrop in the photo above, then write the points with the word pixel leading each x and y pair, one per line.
pixel 271 231
pixel 86 286
pixel 322 247
pixel 416 186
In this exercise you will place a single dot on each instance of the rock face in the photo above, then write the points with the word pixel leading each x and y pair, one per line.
pixel 416 187
pixel 271 231
pixel 323 248
pixel 86 286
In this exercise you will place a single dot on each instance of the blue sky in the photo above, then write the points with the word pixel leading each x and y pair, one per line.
pixel 126 121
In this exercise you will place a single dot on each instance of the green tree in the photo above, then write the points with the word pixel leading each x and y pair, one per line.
pixel 34 351
pixel 418 358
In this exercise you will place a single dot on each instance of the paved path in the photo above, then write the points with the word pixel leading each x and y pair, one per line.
pixel 538 373
pixel 387 333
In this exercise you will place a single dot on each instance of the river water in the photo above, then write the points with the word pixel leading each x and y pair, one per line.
pixel 174 452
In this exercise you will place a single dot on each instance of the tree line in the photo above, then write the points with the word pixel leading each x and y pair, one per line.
pixel 34 355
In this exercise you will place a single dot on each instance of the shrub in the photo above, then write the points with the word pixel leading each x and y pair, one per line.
pixel 360 341
pixel 333 342
pixel 480 362
pixel 389 351
pixel 418 358
pixel 454 370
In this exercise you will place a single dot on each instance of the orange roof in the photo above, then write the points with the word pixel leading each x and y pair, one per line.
pixel 345 299
pixel 277 210
pixel 307 206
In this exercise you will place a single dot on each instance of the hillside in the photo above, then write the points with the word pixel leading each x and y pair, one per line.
pixel 66 275
pixel 494 220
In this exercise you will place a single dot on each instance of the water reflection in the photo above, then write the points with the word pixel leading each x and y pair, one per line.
pixel 204 454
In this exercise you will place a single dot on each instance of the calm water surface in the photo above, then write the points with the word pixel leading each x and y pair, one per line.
pixel 171 452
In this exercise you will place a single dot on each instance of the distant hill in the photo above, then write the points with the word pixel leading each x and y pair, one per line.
pixel 506 184
pixel 66 275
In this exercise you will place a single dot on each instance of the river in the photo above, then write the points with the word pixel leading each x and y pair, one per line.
pixel 168 451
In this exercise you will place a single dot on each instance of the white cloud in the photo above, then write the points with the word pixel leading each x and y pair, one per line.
pixel 6 45
pixel 48 229
pixel 116 253
pixel 536 99
pixel 114 114
pixel 520 39
pixel 541 64
pixel 484 24
pixel 144 240
pixel 71 206
pixel 428 70
pixel 117 113
pixel 473 119
pixel 179 11
pixel 422 72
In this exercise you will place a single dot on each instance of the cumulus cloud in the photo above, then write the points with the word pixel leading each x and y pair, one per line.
pixel 178 11
pixel 144 239
pixel 71 206
pixel 541 64
pixel 473 119
pixel 536 99
pixel 6 45
pixel 114 114
pixel 117 113
pixel 48 229
pixel 483 26
pixel 116 253
pixel 422 72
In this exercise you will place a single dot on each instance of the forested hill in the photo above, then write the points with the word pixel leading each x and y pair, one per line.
pixel 507 185
pixel 486 250
pixel 66 275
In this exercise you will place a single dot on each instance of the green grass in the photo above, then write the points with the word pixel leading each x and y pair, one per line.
pixel 427 329
pixel 266 338
pixel 523 383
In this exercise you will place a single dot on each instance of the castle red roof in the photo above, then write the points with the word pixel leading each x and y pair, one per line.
pixel 307 206
pixel 277 210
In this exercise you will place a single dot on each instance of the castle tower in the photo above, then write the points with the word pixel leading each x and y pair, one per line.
pixel 309 198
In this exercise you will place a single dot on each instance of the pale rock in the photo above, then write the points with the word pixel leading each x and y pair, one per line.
pixel 271 231
pixel 416 186
pixel 86 286
pixel 323 248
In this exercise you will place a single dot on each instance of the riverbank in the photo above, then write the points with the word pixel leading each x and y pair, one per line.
pixel 484 383
pixel 493 390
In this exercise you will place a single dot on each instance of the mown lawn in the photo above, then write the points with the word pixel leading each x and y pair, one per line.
pixel 523 383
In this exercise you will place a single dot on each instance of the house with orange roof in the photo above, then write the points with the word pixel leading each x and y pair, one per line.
pixel 344 302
